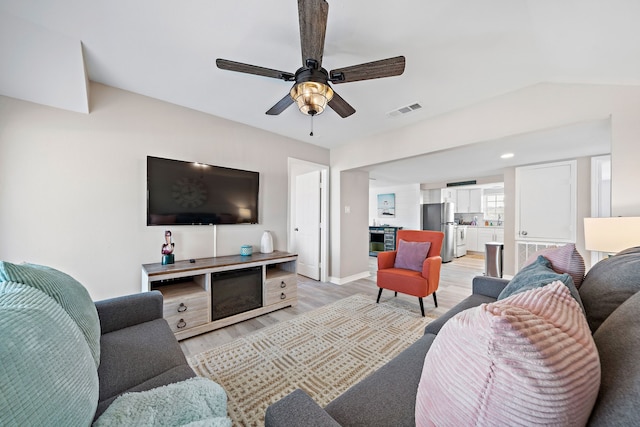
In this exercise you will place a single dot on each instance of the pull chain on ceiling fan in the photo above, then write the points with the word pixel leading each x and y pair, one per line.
pixel 311 91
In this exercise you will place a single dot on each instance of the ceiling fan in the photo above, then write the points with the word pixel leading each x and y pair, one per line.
pixel 311 90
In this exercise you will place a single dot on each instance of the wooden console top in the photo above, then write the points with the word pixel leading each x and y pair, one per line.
pixel 213 262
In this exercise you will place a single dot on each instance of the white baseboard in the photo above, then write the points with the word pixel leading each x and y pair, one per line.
pixel 344 280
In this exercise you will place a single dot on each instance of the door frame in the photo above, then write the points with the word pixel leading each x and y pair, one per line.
pixel 300 167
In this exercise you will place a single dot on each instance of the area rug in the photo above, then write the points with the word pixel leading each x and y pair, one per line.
pixel 323 352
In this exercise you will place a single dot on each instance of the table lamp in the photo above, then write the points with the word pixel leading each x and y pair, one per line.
pixel 611 235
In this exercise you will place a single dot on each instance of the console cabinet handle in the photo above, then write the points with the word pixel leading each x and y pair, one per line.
pixel 181 324
pixel 283 296
pixel 182 307
pixel 283 285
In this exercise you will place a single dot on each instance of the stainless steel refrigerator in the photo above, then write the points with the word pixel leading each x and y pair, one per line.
pixel 439 217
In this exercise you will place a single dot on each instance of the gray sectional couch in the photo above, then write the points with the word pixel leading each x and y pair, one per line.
pixel 138 351
pixel 611 298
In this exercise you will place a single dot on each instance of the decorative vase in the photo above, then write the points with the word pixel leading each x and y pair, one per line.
pixel 246 250
pixel 266 244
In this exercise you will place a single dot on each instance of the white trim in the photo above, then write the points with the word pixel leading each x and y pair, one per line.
pixel 345 280
pixel 324 210
pixel 597 209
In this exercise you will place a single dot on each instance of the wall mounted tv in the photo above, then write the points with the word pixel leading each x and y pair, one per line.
pixel 188 193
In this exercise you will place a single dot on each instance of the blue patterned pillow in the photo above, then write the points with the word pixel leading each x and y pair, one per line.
pixel 66 291
pixel 47 373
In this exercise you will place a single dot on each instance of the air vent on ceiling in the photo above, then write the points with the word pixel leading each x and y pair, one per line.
pixel 461 183
pixel 404 110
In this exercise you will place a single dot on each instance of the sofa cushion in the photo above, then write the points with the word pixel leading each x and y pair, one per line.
pixel 618 343
pixel 411 255
pixel 471 301
pixel 196 400
pixel 136 355
pixel 564 259
pixel 608 284
pixel 388 396
pixel 47 373
pixel 529 357
pixel 68 292
pixel 537 275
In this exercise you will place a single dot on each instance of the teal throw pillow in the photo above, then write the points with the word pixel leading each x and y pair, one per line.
pixel 536 275
pixel 47 373
pixel 66 291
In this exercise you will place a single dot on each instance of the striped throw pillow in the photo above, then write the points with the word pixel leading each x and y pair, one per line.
pixel 526 360
pixel 564 259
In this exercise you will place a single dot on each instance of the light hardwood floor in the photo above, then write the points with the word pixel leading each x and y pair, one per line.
pixel 455 285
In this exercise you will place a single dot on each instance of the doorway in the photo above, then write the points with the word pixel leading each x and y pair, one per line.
pixel 308 231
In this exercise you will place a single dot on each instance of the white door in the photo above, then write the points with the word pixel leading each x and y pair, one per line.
pixel 546 202
pixel 307 224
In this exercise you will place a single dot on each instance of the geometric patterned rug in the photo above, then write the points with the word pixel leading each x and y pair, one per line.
pixel 323 352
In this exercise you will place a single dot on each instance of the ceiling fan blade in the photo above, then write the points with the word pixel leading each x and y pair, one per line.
pixel 340 106
pixel 280 106
pixel 370 70
pixel 313 27
pixel 225 64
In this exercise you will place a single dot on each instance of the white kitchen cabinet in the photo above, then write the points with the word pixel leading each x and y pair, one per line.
pixel 472 239
pixel 475 200
pixel 449 195
pixel 469 200
pixel 489 234
pixel 462 201
pixel 546 202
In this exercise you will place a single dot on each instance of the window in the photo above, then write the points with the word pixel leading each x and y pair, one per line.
pixel 494 206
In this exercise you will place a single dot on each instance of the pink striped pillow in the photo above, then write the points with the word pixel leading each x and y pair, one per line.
pixel 564 259
pixel 526 360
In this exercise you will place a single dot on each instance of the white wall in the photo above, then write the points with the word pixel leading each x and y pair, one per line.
pixel 72 185
pixel 542 106
pixel 354 241
pixel 407 206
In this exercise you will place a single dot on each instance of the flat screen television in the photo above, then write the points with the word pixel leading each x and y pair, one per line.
pixel 189 193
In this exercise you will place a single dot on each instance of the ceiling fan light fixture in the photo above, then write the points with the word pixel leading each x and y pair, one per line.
pixel 311 97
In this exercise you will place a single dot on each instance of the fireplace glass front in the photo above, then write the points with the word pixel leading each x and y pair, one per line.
pixel 234 292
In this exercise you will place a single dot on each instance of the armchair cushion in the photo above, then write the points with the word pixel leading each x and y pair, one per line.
pixel 411 255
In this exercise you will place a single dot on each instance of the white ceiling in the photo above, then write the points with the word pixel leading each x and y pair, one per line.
pixel 458 53
pixel 483 159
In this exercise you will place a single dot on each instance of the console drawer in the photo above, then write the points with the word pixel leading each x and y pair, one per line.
pixel 182 298
pixel 281 288
pixel 188 319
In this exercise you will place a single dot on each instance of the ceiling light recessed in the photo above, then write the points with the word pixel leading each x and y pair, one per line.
pixel 507 156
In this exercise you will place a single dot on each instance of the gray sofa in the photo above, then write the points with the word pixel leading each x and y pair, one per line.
pixel 138 351
pixel 387 397
pixel 64 359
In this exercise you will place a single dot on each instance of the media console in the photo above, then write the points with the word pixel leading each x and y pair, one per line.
pixel 212 293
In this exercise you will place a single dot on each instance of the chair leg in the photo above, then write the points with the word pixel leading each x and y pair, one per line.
pixel 435 300
pixel 421 306
pixel 379 293
pixel 396 294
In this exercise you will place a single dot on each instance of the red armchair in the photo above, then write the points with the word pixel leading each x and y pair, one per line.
pixel 411 282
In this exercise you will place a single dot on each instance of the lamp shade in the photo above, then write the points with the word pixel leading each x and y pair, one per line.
pixel 311 97
pixel 611 235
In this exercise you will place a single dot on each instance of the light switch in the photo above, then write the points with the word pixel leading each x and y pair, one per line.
pixel 347 209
